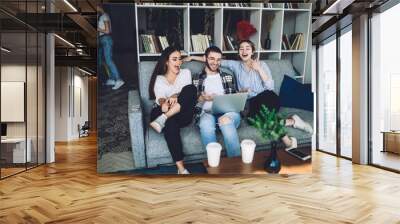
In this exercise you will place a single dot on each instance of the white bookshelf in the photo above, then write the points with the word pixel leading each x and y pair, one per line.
pixel 276 20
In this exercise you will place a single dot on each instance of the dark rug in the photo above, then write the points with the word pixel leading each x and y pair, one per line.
pixel 193 168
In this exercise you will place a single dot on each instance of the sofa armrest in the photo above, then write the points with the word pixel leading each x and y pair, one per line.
pixel 136 129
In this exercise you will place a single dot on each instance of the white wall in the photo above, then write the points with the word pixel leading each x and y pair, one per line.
pixel 71 93
pixel 33 126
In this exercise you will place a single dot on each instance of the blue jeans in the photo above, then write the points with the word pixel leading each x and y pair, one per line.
pixel 105 50
pixel 208 124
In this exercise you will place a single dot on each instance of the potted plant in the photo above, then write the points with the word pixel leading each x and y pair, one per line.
pixel 271 125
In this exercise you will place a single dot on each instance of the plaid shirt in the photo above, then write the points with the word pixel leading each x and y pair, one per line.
pixel 228 82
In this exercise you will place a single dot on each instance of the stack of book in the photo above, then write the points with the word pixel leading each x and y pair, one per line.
pixel 232 4
pixel 152 43
pixel 158 3
pixel 229 43
pixel 240 4
pixel 201 42
pixel 207 4
pixel 294 42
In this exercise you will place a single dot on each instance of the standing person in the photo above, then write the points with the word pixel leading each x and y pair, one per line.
pixel 106 47
pixel 213 82
pixel 255 78
pixel 175 97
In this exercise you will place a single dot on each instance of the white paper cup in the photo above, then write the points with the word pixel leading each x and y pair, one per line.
pixel 248 147
pixel 213 153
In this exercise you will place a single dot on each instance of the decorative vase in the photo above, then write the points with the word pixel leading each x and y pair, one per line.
pixel 267 43
pixel 273 164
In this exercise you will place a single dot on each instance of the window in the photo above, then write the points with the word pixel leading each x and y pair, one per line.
pixel 346 93
pixel 327 96
pixel 385 84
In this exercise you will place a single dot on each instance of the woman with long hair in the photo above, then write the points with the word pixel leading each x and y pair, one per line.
pixel 175 99
pixel 255 78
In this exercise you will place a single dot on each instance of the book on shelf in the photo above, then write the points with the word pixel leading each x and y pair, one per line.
pixel 200 42
pixel 152 44
pixel 268 5
pixel 141 47
pixel 291 5
pixel 294 42
pixel 288 5
pixel 163 41
pixel 206 4
pixel 236 4
pixel 285 42
pixel 157 4
pixel 230 43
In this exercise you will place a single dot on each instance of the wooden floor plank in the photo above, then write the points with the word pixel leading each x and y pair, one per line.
pixel 70 191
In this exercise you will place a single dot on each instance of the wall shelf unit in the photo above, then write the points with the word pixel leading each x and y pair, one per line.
pixel 199 25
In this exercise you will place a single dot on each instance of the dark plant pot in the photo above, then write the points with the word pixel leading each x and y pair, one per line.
pixel 273 164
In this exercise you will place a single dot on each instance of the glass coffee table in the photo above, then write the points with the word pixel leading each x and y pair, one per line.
pixel 289 164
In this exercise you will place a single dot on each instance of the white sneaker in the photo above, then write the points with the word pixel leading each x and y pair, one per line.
pixel 118 84
pixel 185 171
pixel 293 145
pixel 110 82
pixel 159 123
pixel 300 124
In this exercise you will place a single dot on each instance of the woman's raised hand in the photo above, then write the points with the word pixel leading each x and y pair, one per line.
pixel 256 65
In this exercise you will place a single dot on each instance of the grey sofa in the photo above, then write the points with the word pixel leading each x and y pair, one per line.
pixel 149 148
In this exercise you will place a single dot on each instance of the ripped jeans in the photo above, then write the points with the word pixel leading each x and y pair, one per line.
pixel 208 123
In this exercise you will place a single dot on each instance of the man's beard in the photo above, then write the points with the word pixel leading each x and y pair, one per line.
pixel 209 68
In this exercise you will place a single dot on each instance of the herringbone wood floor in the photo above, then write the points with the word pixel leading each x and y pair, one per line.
pixel 70 191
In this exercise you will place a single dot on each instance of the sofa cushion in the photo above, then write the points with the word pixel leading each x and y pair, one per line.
pixel 296 95
pixel 145 70
pixel 278 69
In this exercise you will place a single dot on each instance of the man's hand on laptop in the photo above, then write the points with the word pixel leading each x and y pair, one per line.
pixel 207 97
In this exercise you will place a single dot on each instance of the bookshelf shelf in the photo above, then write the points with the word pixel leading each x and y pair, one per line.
pixel 196 52
pixel 269 51
pixel 204 7
pixel 293 51
pixel 216 22
pixel 229 52
pixel 272 9
pixel 240 8
pixel 163 6
pixel 149 54
pixel 299 77
pixel 296 10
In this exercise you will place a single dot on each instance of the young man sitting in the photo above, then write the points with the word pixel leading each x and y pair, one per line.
pixel 213 82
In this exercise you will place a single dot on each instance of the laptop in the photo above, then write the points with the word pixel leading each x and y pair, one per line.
pixel 229 103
